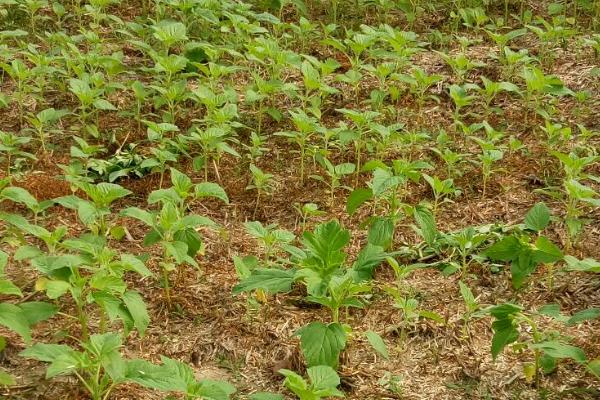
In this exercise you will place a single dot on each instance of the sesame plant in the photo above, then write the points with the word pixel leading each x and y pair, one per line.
pixel 360 187
pixel 172 227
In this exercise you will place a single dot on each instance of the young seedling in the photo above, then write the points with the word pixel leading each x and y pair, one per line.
pixel 270 237
pixel 95 213
pixel 511 325
pixel 443 190
pixel 21 317
pixel 335 174
pixel 306 126
pixel 471 307
pixel 10 148
pixel 523 254
pixel 20 195
pixel 43 124
pixel 213 142
pixel 262 182
pixel 463 243
pixel 176 233
pixel 322 382
pixel 306 211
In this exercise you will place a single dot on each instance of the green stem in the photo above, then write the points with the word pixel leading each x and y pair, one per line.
pixel 85 384
pixel 167 288
pixel 83 321
pixel 302 153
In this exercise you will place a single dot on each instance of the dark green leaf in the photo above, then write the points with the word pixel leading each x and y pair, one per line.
pixel 272 280
pixel 507 249
pixel 357 198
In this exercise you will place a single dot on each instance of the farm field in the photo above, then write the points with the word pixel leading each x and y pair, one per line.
pixel 299 199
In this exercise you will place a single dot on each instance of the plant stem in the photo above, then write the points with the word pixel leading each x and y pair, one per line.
pixel 83 321
pixel 166 286
pixel 256 205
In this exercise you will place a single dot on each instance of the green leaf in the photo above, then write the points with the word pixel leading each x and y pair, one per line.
pixel 585 265
pixel 547 363
pixel 117 232
pixel 432 315
pixel 584 315
pixel 594 367
pixel 537 218
pixel 137 308
pixel 381 232
pixel 326 243
pixel 357 198
pixel 105 105
pixel 8 288
pixel 522 267
pixel 504 333
pixel 37 311
pixel 426 223
pixel 507 249
pixel 553 311
pixel 210 189
pixel 8 380
pixel 558 349
pixel 504 330
pixel 176 376
pixel 323 377
pixel 64 364
pixel 546 251
pixel 321 344
pixel 271 280
pixel 133 263
pixel 45 352
pixel 195 55
pixel 296 384
pixel 19 195
pixel 12 317
pixel 55 289
pixel 378 344
pixel 369 258
pixel 194 220
pixel 191 238
pixel 164 196
pixel 467 296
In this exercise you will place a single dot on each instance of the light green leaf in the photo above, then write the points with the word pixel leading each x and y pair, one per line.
pixel 537 218
pixel 139 214
pixel 378 344
pixel 137 308
pixel 8 380
pixel 584 315
pixel 210 189
pixel 558 349
pixel 323 377
pixel 55 289
pixel 321 344
pixel 45 352
pixel 37 311
pixel 426 223
pixel 8 288
pixel 12 317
